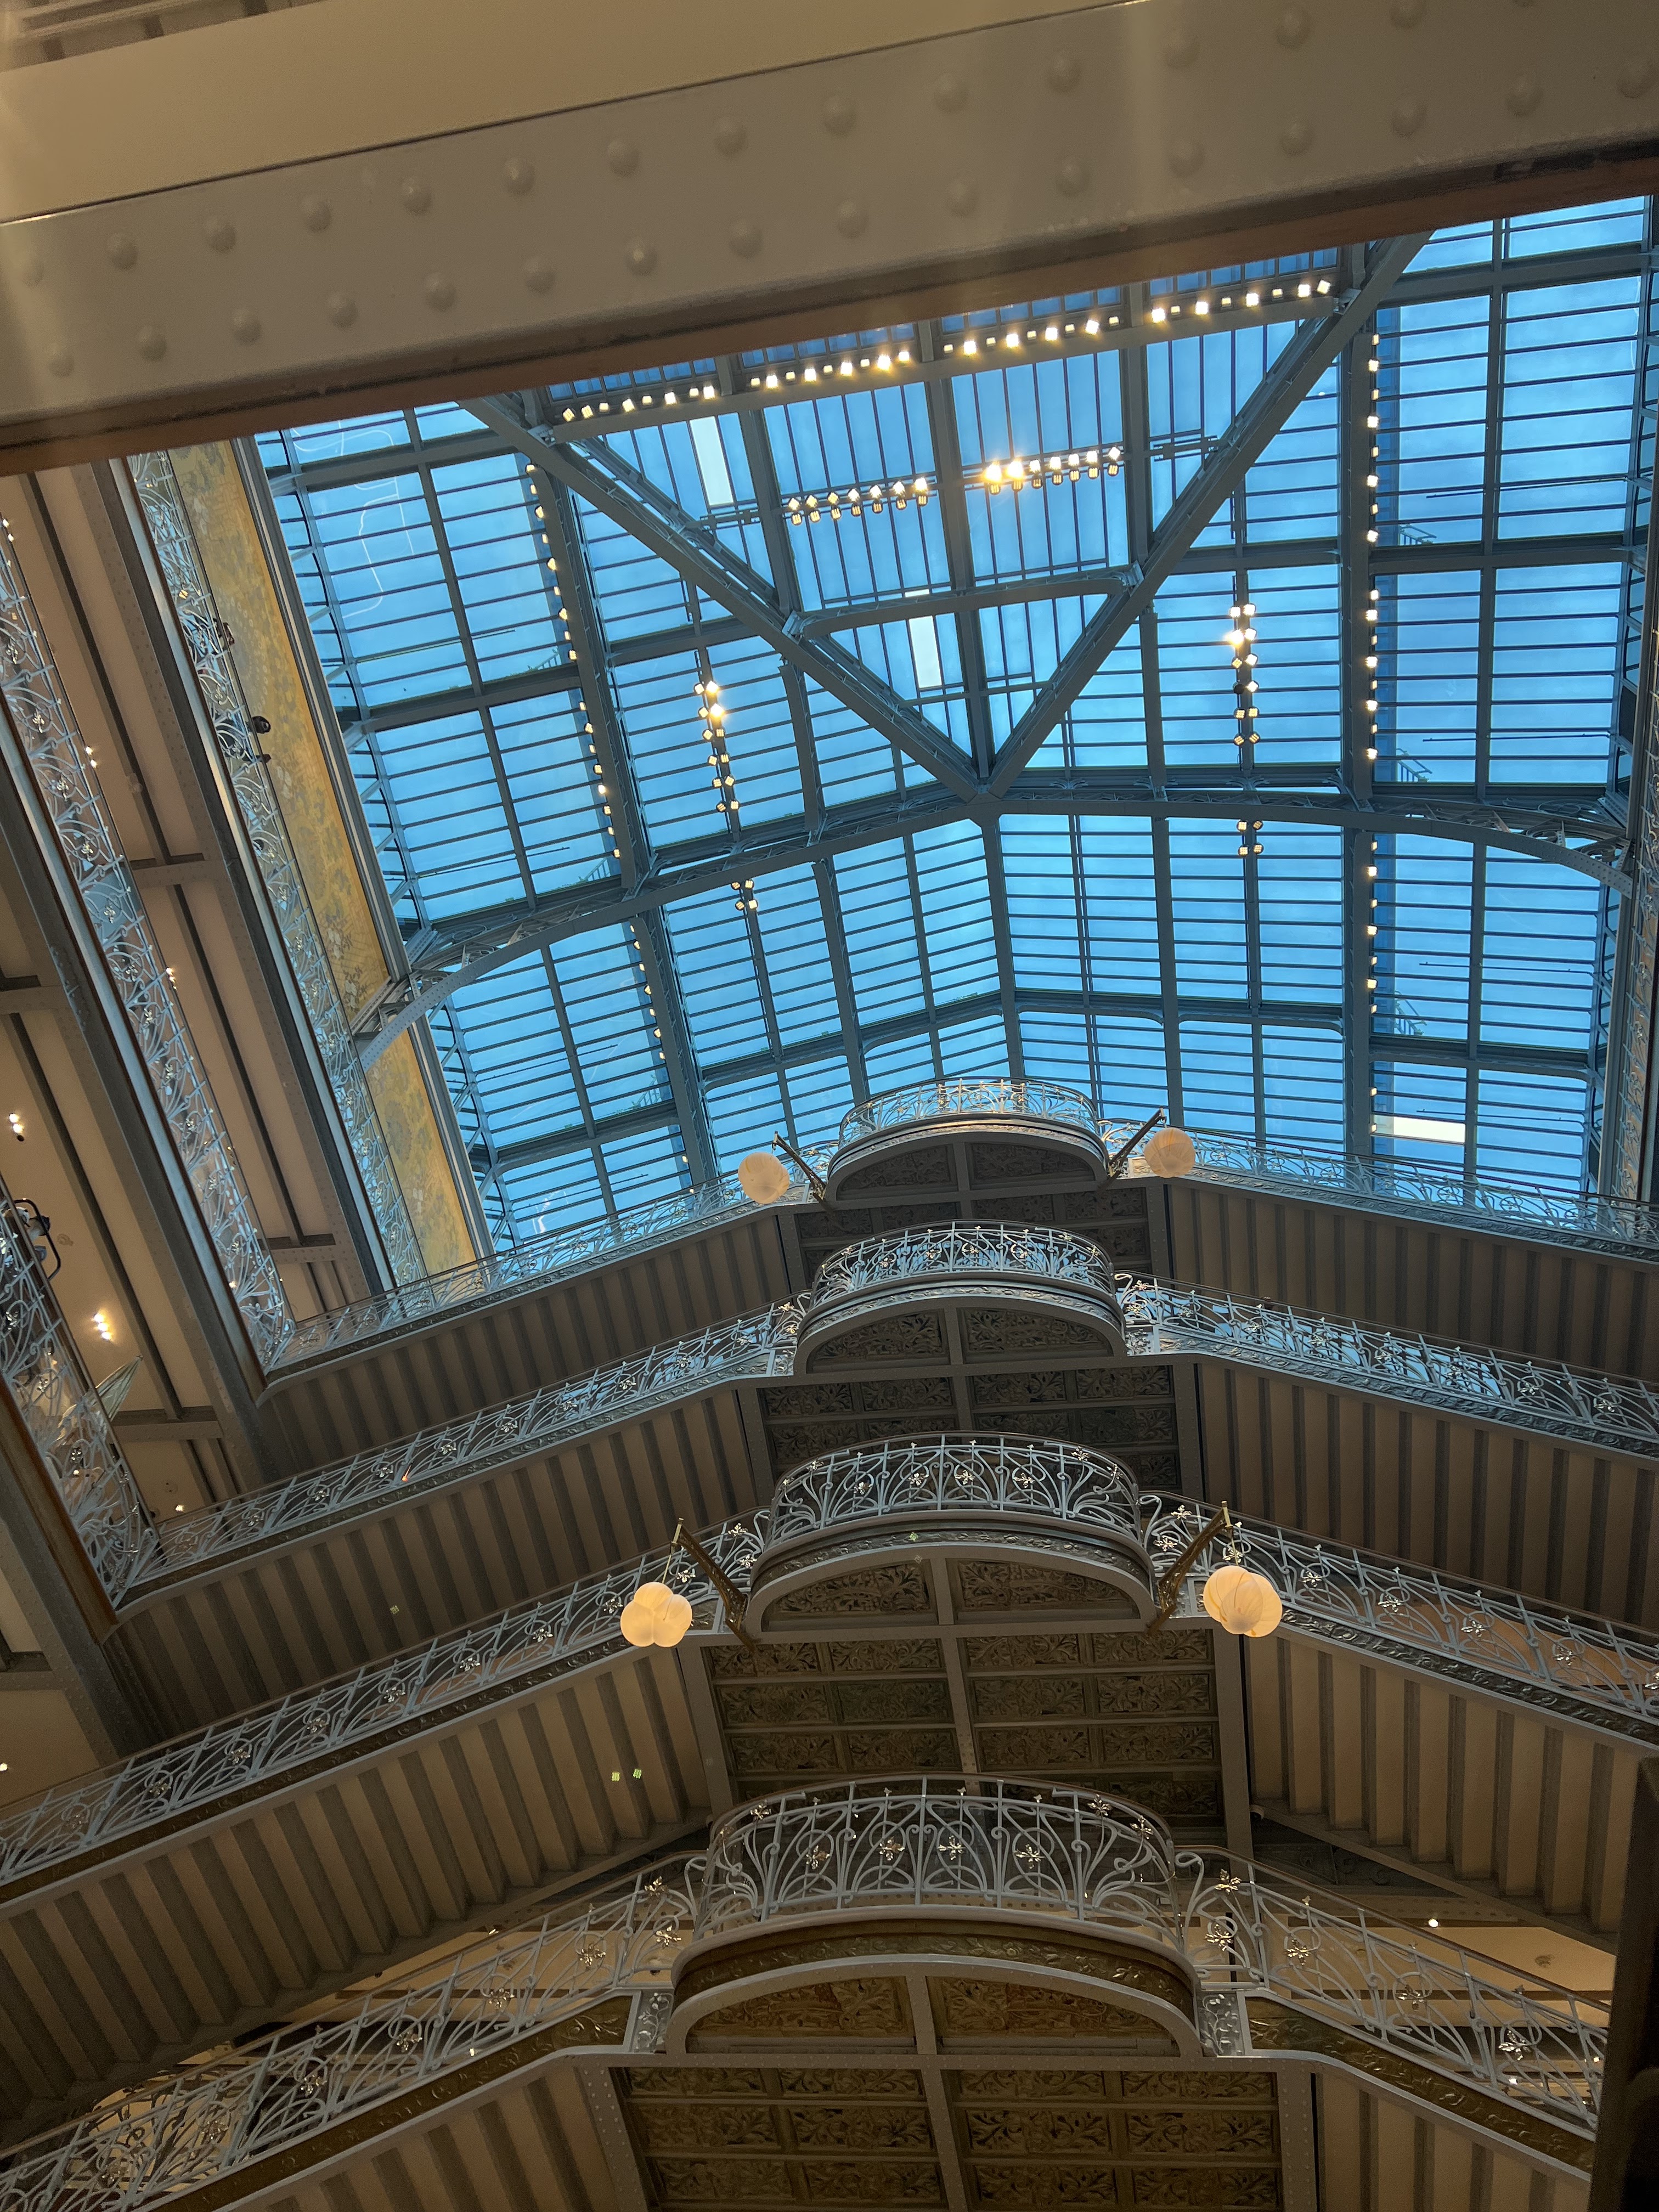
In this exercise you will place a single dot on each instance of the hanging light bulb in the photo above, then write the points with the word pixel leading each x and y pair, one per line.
pixel 763 1178
pixel 1169 1153
pixel 1245 1604
pixel 655 1615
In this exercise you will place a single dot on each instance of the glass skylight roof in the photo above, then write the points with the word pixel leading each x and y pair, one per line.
pixel 1109 921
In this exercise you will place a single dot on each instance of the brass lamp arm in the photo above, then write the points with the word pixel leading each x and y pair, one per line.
pixel 1169 1590
pixel 724 1587
pixel 815 1182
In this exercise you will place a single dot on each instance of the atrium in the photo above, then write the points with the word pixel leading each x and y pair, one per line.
pixel 829 907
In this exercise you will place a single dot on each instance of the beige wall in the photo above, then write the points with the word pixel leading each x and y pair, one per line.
pixel 235 560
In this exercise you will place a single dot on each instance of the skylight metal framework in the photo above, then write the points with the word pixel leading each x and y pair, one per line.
pixel 986 808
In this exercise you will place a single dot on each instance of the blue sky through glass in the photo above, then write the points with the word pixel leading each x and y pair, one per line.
pixel 1301 992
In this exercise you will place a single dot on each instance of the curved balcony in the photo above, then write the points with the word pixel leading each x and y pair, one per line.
pixel 1027 1857
pixel 976 1136
pixel 866 1853
pixel 1053 1863
pixel 887 1300
pixel 1053 1502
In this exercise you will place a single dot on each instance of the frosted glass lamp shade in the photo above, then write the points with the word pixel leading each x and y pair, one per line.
pixel 655 1614
pixel 763 1178
pixel 1245 1604
pixel 1169 1153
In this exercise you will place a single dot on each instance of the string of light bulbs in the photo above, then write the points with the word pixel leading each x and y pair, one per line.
pixel 1017 474
pixel 889 360
pixel 1373 424
pixel 1242 637
pixel 838 506
pixel 596 766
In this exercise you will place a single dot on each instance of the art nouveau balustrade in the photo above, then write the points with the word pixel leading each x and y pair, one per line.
pixel 486 1763
pixel 50 770
pixel 1456 2030
pixel 65 1418
pixel 875 1285
pixel 1031 1851
pixel 236 2117
pixel 1613 1229
pixel 867 1287
pixel 1605 1414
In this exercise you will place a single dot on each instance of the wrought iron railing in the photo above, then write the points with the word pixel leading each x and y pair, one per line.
pixel 1426 2001
pixel 541 1260
pixel 990 1094
pixel 1607 1413
pixel 1031 1849
pixel 208 2122
pixel 1062 1483
pixel 759 1344
pixel 1399 1187
pixel 57 760
pixel 208 644
pixel 962 1248
pixel 1579 1665
pixel 1578 1668
pixel 312 1727
pixel 848 1847
pixel 1597 1223
pixel 63 1412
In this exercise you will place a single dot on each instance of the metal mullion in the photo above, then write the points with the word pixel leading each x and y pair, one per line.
pixel 581 619
pixel 1477 962
pixel 770 1014
pixel 1163 900
pixel 1487 632
pixel 463 623
pixel 958 553
pixel 970 653
pixel 335 612
pixel 924 966
pixel 437 706
pixel 679 1052
pixel 573 1058
pixel 774 531
pixel 835 938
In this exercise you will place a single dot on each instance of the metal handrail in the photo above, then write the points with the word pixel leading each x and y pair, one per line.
pixel 962 1248
pixel 1063 1483
pixel 1028 1096
pixel 847 1847
pixel 205 2123
pixel 1585 1667
pixel 1607 1413
pixel 757 1345
pixel 64 1414
pixel 1581 1668
pixel 38 711
pixel 1577 1218
pixel 1597 1223
pixel 1078 1855
pixel 1253 1932
pixel 310 1728
pixel 540 1259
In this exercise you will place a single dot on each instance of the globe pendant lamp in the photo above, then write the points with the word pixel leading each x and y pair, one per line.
pixel 1245 1604
pixel 655 1614
pixel 1169 1153
pixel 763 1178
